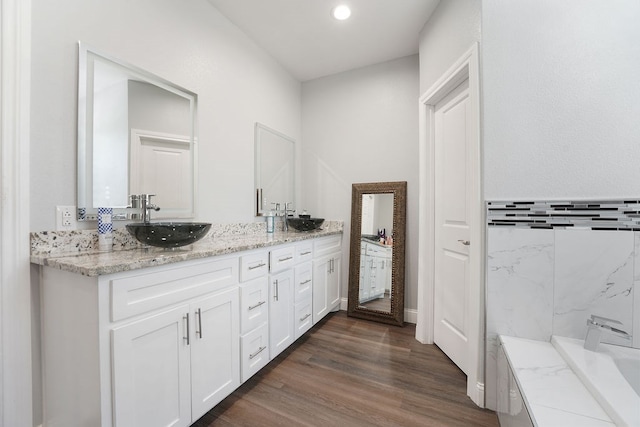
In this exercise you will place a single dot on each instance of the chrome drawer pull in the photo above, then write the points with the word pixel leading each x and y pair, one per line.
pixel 305 253
pixel 257 305
pixel 251 356
pixel 257 266
pixel 285 259
pixel 305 282
pixel 305 317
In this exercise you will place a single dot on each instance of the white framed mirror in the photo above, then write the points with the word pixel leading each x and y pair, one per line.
pixel 136 135
pixel 274 169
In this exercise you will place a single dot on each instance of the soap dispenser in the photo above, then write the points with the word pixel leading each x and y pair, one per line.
pixel 271 222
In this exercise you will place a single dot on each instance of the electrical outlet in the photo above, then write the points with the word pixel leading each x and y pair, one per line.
pixel 66 218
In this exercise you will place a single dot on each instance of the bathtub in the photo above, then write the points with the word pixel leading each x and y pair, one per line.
pixel 611 374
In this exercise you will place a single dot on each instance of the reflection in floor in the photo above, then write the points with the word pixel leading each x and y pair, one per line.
pixel 380 304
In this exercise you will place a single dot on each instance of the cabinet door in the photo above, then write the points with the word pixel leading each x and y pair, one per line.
pixel 326 285
pixel 321 272
pixel 281 327
pixel 151 375
pixel 215 350
pixel 333 285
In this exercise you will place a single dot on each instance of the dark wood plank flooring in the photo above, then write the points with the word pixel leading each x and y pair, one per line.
pixel 352 372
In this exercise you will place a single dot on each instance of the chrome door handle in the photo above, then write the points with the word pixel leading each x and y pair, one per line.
pixel 464 242
pixel 186 317
pixel 275 297
pixel 199 332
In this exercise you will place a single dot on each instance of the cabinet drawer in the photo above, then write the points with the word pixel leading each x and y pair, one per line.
pixel 282 258
pixel 254 303
pixel 254 265
pixel 327 245
pixel 304 251
pixel 137 293
pixel 303 317
pixel 302 281
pixel 254 347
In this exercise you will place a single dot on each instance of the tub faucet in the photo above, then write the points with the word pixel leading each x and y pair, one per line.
pixel 596 325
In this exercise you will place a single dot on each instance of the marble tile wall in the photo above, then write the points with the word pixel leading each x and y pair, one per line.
pixel 543 282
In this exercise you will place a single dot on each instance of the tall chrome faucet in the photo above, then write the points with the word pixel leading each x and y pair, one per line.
pixel 146 206
pixel 287 211
pixel 596 325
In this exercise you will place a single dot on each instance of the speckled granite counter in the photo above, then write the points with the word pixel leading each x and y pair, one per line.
pixel 75 251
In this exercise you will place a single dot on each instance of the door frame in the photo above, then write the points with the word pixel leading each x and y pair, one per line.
pixel 16 394
pixel 466 67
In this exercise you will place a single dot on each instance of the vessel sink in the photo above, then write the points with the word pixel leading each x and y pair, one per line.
pixel 168 234
pixel 305 224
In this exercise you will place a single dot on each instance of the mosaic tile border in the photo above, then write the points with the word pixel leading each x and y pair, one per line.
pixel 590 214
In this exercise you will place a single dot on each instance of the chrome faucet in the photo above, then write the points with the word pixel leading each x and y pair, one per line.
pixel 287 211
pixel 596 325
pixel 146 206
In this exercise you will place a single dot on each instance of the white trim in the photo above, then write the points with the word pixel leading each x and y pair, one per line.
pixel 15 287
pixel 466 67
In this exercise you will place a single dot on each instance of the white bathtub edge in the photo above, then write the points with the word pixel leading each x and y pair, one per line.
pixel 605 383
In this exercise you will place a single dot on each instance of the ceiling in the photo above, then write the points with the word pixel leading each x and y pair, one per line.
pixel 303 36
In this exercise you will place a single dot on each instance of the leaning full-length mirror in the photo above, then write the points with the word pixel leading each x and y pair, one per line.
pixel 376 265
pixel 136 135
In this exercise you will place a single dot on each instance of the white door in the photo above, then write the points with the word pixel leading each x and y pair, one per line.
pixel 215 350
pixel 453 199
pixel 151 376
pixel 161 165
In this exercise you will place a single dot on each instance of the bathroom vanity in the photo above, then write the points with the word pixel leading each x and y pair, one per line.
pixel 153 337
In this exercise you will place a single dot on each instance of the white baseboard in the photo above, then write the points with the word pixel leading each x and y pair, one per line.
pixel 410 314
pixel 476 394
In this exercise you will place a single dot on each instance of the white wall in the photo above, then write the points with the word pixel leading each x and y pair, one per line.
pixel 189 43
pixel 362 126
pixel 450 31
pixel 561 98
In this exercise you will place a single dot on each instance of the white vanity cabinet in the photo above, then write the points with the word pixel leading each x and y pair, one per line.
pixel 156 346
pixel 162 345
pixel 326 275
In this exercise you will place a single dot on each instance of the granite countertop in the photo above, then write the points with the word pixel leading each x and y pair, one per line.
pixel 93 263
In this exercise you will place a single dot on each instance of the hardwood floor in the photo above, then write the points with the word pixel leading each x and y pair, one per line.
pixel 352 372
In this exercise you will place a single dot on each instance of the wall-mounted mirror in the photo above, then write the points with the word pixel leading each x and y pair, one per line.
pixel 376 264
pixel 275 158
pixel 136 135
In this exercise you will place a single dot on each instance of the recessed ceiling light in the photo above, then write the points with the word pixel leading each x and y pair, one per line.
pixel 341 12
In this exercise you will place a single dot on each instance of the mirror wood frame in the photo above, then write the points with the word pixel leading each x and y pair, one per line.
pixel 399 191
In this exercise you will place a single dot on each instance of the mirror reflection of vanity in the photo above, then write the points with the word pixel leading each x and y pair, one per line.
pixel 376 273
pixel 274 169
pixel 136 135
